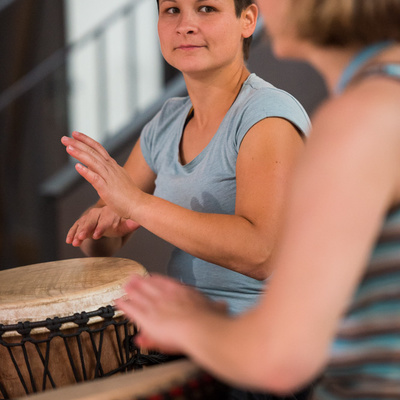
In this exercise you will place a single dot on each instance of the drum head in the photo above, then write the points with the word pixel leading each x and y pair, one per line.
pixel 62 288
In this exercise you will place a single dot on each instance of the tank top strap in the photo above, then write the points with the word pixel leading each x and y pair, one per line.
pixel 361 62
pixel 389 70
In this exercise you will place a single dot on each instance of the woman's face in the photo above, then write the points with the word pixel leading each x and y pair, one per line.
pixel 199 36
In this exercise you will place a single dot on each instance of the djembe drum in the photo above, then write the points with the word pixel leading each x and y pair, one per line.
pixel 58 325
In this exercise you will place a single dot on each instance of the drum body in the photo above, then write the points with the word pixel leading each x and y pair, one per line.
pixel 59 326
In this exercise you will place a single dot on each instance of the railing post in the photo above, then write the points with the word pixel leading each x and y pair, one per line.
pixel 102 85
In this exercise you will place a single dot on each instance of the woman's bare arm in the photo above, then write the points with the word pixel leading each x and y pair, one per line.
pixel 242 242
pixel 347 180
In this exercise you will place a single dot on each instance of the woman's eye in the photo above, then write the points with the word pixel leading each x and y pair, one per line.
pixel 206 9
pixel 172 10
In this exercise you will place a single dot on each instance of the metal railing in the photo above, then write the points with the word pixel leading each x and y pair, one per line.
pixel 60 58
pixel 5 3
pixel 44 83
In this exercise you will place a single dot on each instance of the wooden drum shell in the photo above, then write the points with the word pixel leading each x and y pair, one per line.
pixel 57 291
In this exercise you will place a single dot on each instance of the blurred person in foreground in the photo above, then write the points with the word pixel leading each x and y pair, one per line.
pixel 333 305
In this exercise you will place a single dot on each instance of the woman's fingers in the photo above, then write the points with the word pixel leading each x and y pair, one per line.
pixel 81 137
pixel 111 181
pixel 71 233
pixel 94 178
pixel 77 234
pixel 88 152
pixel 145 341
pixel 84 227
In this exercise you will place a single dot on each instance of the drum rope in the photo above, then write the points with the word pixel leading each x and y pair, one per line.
pixel 17 350
pixel 71 359
pixel 32 344
pixel 45 362
pixel 17 370
pixel 98 370
pixel 3 391
pixel 54 324
pixel 46 366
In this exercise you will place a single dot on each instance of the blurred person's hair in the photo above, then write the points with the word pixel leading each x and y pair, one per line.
pixel 346 23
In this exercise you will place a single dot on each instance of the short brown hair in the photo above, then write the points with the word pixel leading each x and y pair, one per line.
pixel 241 5
pixel 346 22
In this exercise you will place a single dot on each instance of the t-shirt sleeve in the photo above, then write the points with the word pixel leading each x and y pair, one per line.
pixel 271 103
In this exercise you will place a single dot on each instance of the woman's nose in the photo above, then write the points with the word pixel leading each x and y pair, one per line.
pixel 187 23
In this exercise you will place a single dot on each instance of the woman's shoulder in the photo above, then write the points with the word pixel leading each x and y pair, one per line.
pixel 255 86
pixel 364 118
pixel 257 89
pixel 373 102
pixel 270 101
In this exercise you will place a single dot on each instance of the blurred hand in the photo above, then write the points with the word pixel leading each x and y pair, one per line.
pixel 165 311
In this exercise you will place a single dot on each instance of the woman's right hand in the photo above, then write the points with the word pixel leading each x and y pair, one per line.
pixel 99 222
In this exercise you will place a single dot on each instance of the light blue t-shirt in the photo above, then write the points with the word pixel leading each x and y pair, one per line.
pixel 208 183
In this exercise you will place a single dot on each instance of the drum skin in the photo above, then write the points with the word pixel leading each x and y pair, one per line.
pixel 54 290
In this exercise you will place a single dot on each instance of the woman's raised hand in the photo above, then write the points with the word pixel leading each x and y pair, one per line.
pixel 112 182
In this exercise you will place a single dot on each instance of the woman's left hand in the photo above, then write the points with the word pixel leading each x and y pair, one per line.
pixel 111 181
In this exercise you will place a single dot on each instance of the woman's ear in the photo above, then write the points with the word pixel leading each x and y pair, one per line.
pixel 249 19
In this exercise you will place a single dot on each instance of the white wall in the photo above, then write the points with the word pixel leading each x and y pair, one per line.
pixel 131 81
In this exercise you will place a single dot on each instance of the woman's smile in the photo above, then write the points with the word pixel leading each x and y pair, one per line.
pixel 189 47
